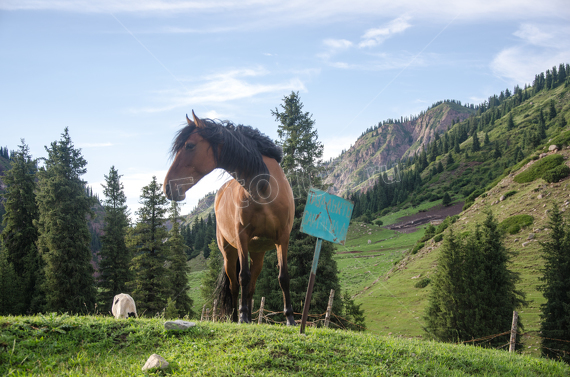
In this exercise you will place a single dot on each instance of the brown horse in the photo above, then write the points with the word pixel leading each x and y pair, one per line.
pixel 254 211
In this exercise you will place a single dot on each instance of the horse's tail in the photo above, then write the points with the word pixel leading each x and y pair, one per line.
pixel 223 293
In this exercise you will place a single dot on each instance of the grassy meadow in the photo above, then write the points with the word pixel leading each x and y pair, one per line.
pixel 56 345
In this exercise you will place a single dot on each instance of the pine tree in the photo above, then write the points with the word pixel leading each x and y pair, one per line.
pixel 178 271
pixel 439 167
pixel 10 287
pixel 150 286
pixel 302 154
pixel 20 235
pixel 510 122
pixel 487 141
pixel 64 237
pixel 551 110
pixel 446 199
pixel 456 147
pixel 298 137
pixel 210 279
pixel 556 285
pixel 475 147
pixel 115 256
pixel 473 293
pixel 497 152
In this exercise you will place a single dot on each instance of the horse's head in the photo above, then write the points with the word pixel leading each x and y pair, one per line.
pixel 193 159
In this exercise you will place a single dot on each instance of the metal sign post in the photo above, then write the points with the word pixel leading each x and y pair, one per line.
pixel 326 217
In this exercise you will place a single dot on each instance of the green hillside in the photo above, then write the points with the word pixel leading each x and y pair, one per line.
pixel 96 345
pixel 507 174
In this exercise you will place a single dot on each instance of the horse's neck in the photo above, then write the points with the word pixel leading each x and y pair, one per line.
pixel 253 185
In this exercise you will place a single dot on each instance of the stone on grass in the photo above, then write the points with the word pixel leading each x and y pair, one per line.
pixel 178 325
pixel 531 236
pixel 155 361
pixel 553 148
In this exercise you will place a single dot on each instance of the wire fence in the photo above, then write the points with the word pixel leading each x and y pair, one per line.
pixel 319 320
pixel 316 320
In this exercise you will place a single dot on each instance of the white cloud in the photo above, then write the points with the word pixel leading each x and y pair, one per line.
pixel 274 12
pixel 376 36
pixel 533 34
pixel 226 87
pixel 540 48
pixel 337 44
pixel 333 146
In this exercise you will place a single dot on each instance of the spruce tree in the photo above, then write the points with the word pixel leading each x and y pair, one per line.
pixel 115 256
pixel 475 147
pixel 473 293
pixel 64 237
pixel 10 287
pixel 178 270
pixel 210 279
pixel 456 146
pixel 510 122
pixel 19 234
pixel 555 324
pixel 298 137
pixel 446 199
pixel 150 286
pixel 302 154
pixel 497 152
pixel 551 110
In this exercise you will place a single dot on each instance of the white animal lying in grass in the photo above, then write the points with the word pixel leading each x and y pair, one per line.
pixel 124 306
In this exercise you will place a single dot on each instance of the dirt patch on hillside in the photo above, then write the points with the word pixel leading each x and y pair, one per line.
pixel 409 224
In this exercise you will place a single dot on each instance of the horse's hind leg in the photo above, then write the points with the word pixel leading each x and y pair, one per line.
pixel 255 268
pixel 284 281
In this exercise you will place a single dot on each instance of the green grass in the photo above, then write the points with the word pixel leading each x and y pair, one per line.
pixel 515 223
pixel 96 345
pixel 540 167
pixel 198 268
pixel 363 267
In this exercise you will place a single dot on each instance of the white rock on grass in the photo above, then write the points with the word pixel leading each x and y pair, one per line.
pixel 178 325
pixel 155 361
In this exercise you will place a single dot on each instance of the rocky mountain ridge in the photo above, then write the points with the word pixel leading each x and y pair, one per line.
pixel 378 149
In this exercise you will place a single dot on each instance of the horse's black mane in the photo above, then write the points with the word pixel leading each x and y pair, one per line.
pixel 242 148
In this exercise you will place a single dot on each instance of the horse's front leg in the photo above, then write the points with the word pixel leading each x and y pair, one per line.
pixel 244 280
pixel 284 282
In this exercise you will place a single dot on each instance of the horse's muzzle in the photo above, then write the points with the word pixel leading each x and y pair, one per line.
pixel 172 192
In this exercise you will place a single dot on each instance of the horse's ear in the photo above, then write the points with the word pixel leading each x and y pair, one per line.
pixel 198 121
pixel 188 120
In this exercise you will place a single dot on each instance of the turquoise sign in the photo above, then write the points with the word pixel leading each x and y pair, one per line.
pixel 326 216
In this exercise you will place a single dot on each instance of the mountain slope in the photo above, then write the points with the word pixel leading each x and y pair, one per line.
pixel 380 147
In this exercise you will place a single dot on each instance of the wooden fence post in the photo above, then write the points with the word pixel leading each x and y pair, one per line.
pixel 512 344
pixel 329 309
pixel 214 311
pixel 260 317
pixel 203 310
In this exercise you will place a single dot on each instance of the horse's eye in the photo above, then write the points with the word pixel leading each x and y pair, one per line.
pixel 190 146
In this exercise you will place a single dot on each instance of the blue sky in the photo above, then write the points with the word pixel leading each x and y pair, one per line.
pixel 123 74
